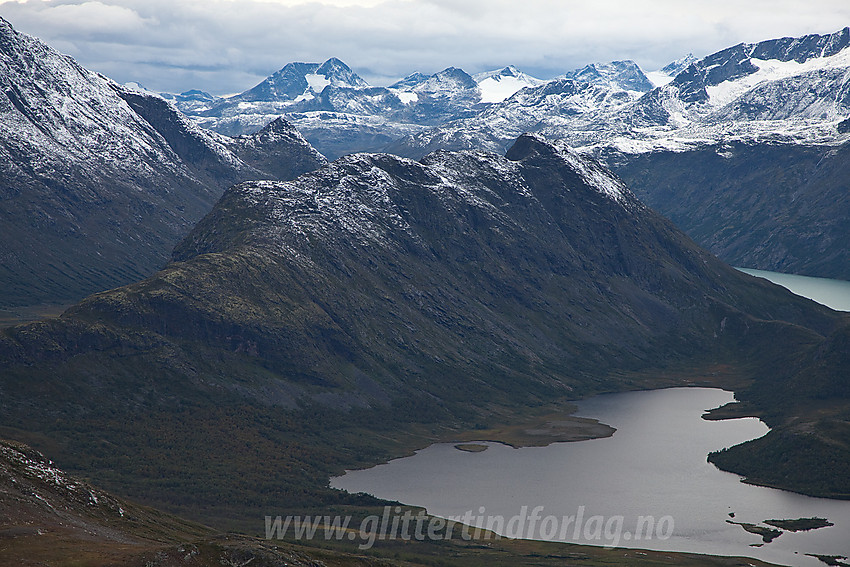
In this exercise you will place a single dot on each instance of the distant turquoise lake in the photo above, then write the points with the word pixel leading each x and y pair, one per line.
pixel 832 293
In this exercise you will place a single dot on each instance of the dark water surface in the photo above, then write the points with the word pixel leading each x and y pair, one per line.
pixel 649 486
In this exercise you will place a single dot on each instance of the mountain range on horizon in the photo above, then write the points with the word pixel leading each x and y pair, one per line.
pixel 736 147
pixel 738 110
pixel 289 92
pixel 379 114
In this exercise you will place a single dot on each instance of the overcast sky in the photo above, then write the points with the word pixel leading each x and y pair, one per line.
pixel 227 46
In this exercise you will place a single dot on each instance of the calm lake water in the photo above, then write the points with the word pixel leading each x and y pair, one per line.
pixel 654 466
pixel 832 293
pixel 649 486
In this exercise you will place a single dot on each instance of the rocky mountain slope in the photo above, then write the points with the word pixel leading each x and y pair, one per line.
pixel 757 174
pixel 616 75
pixel 98 181
pixel 780 207
pixel 313 325
pixel 789 91
pixel 759 110
pixel 50 517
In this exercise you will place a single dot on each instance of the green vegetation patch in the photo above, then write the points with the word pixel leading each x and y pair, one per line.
pixel 471 447
pixel 767 534
pixel 800 524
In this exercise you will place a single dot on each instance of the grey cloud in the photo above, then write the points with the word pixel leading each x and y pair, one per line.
pixel 228 46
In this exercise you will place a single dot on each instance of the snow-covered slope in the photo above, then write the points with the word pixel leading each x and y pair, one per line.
pixel 501 84
pixel 783 90
pixel 667 73
pixel 558 103
pixel 98 181
pixel 616 75
pixel 789 89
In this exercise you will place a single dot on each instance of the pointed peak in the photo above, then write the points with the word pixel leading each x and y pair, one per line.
pixel 9 37
pixel 509 71
pixel 339 74
pixel 279 124
pixel 454 74
pixel 333 63
pixel 674 68
pixel 531 148
pixel 410 81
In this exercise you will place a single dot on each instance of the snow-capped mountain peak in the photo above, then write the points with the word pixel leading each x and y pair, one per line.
pixel 338 74
pixel 667 73
pixel 624 75
pixel 501 84
pixel 789 87
pixel 299 81
pixel 675 67
pixel 410 81
pixel 449 79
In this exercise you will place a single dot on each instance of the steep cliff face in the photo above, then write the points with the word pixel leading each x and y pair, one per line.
pixel 777 207
pixel 99 182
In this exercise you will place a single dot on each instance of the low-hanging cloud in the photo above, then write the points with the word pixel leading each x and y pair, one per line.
pixel 226 46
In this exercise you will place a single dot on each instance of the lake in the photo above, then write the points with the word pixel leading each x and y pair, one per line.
pixel 650 480
pixel 648 486
pixel 832 293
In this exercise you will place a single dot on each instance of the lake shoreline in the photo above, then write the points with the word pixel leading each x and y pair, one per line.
pixel 475 476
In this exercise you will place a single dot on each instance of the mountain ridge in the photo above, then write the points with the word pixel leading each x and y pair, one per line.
pixel 741 107
pixel 377 297
pixel 100 181
pixel 344 118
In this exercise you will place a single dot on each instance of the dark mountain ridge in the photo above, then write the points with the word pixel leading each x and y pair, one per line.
pixel 779 207
pixel 380 296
